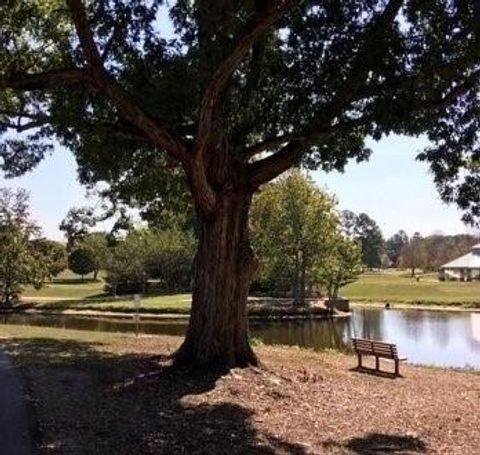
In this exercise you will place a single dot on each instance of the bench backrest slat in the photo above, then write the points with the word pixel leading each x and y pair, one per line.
pixel 373 347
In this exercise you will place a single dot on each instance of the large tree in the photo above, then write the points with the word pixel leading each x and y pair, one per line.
pixel 52 256
pixel 412 255
pixel 20 263
pixel 239 93
pixel 81 261
pixel 342 266
pixel 293 226
pixel 394 246
pixel 364 229
pixel 98 243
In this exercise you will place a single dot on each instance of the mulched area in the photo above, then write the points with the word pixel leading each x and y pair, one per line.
pixel 120 397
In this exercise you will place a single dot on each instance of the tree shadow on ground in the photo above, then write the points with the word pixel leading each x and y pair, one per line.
pixel 101 403
pixel 76 281
pixel 380 443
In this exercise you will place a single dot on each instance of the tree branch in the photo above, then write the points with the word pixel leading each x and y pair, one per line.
pixel 456 92
pixel 55 79
pixel 270 143
pixel 201 188
pixel 20 128
pixel 360 67
pixel 221 76
pixel 291 153
pixel 268 168
pixel 308 137
pixel 158 134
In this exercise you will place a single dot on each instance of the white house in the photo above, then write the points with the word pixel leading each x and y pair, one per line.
pixel 465 268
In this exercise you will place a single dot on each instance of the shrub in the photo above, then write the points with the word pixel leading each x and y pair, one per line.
pixel 81 261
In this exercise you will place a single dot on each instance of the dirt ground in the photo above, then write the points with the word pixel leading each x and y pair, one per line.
pixel 117 395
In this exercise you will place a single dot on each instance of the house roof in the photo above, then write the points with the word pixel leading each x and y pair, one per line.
pixel 468 261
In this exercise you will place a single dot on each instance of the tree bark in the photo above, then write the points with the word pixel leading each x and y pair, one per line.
pixel 217 335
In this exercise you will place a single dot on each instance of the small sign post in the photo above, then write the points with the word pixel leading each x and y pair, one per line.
pixel 136 315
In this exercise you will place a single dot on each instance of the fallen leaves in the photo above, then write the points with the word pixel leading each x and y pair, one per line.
pixel 300 403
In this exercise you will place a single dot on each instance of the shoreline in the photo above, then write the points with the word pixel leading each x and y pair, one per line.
pixel 454 307
pixel 169 316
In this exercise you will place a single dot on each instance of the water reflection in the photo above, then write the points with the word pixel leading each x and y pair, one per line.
pixel 426 337
pixel 311 333
pixel 475 328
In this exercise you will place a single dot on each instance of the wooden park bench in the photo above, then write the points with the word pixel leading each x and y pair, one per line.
pixel 377 349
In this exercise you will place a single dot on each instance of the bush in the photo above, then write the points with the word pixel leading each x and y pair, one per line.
pixel 164 257
pixel 81 261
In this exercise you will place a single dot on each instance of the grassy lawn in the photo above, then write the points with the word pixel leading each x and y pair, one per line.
pixel 67 286
pixel 397 286
pixel 101 393
pixel 69 292
pixel 177 303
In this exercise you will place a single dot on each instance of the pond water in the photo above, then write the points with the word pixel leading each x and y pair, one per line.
pixel 442 338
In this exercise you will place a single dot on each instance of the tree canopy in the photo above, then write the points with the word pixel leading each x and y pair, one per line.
pixel 20 263
pixel 302 247
pixel 395 244
pixel 52 256
pixel 236 95
pixel 81 261
pixel 306 79
pixel 364 229
pixel 293 223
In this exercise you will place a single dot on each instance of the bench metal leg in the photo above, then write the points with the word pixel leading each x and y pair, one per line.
pixel 359 360
pixel 397 368
pixel 377 363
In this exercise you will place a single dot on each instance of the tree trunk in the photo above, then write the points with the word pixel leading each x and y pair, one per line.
pixel 299 280
pixel 217 335
pixel 303 272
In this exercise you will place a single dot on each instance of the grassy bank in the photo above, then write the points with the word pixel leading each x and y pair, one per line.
pixel 398 286
pixel 100 393
pixel 172 304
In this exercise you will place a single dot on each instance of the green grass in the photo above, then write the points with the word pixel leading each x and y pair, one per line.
pixel 397 286
pixel 176 303
pixel 69 292
pixel 67 286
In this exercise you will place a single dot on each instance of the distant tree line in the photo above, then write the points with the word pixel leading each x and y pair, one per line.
pixel 430 253
pixel 401 250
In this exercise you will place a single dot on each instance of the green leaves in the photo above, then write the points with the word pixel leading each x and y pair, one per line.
pixel 292 223
pixel 326 76
pixel 165 256
pixel 341 266
pixel 297 233
pixel 19 263
pixel 81 261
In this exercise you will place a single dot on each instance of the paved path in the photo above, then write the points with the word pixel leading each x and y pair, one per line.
pixel 15 420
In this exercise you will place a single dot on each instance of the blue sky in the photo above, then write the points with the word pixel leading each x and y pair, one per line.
pixel 392 188
pixel 395 190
